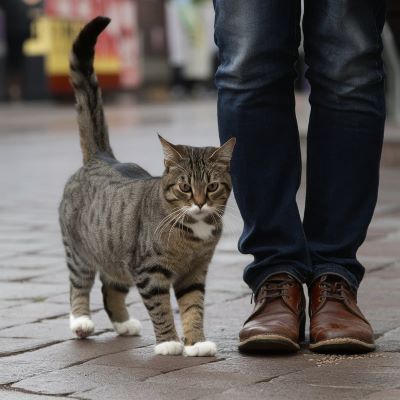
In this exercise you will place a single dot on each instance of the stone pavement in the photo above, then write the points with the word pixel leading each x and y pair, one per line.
pixel 39 359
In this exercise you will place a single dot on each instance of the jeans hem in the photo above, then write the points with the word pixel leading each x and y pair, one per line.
pixel 335 269
pixel 274 270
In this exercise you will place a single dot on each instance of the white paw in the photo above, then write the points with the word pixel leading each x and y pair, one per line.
pixel 171 348
pixel 201 349
pixel 81 326
pixel 131 327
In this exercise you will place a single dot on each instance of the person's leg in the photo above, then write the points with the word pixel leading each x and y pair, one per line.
pixel 258 41
pixel 343 51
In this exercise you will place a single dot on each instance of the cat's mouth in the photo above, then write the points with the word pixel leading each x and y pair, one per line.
pixel 200 212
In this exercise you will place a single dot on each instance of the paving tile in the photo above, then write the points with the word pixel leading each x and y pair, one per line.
pixel 289 391
pixel 12 345
pixel 12 320
pixel 144 391
pixel 390 394
pixel 34 298
pixel 17 290
pixel 348 378
pixel 12 369
pixel 19 274
pixel 77 351
pixel 37 310
pixel 381 248
pixel 145 358
pixel 54 329
pixel 17 395
pixel 17 367
pixel 233 372
pixel 390 341
pixel 376 298
pixel 82 378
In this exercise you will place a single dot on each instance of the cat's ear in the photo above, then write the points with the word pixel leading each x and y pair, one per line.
pixel 171 153
pixel 223 154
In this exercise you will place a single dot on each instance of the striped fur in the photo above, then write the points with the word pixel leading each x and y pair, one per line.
pixel 91 121
pixel 135 229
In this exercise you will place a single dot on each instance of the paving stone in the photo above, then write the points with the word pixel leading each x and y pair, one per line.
pixel 144 391
pixel 379 232
pixel 265 391
pixel 37 310
pixel 78 351
pixel 234 372
pixel 381 248
pixel 12 369
pixel 54 329
pixel 145 358
pixel 61 355
pixel 390 394
pixel 376 264
pixel 12 345
pixel 19 274
pixel 34 298
pixel 17 395
pixel 82 378
pixel 376 298
pixel 5 304
pixel 30 261
pixel 390 341
pixel 17 290
pixel 344 377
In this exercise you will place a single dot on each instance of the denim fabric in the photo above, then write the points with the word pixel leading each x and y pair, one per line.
pixel 258 45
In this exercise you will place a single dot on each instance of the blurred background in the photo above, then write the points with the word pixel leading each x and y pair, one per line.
pixel 159 45
pixel 154 52
pixel 157 50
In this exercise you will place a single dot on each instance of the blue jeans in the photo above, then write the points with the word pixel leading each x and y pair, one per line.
pixel 258 45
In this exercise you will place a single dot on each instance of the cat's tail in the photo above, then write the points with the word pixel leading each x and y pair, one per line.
pixel 92 125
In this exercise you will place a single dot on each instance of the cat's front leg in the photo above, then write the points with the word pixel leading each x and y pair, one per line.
pixel 154 285
pixel 190 295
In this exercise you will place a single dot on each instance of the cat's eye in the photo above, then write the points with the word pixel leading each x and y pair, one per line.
pixel 184 187
pixel 212 187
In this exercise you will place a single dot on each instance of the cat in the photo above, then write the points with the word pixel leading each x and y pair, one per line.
pixel 135 229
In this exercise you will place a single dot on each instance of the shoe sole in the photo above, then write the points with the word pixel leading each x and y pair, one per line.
pixel 268 344
pixel 342 345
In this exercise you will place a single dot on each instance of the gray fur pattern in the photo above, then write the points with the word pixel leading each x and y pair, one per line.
pixel 135 229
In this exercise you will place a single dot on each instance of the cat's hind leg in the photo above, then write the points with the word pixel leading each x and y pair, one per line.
pixel 81 281
pixel 114 303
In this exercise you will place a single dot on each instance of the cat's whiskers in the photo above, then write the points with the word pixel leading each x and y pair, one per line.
pixel 163 226
pixel 228 207
pixel 166 219
pixel 181 224
pixel 229 212
pixel 184 209
pixel 230 225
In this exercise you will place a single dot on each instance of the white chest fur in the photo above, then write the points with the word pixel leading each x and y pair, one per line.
pixel 201 229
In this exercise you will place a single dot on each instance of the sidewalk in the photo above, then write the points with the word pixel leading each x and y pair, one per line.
pixel 39 358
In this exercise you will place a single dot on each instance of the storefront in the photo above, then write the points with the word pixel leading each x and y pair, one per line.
pixel 53 29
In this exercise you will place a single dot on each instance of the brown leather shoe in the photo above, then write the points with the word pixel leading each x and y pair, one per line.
pixel 277 321
pixel 336 323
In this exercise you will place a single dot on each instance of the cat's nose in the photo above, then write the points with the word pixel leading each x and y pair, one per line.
pixel 199 204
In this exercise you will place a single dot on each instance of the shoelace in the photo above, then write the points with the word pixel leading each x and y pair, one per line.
pixel 273 289
pixel 335 290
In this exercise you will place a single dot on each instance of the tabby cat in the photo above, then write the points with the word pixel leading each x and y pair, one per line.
pixel 136 229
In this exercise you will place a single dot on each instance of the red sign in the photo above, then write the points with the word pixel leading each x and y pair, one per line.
pixel 119 40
